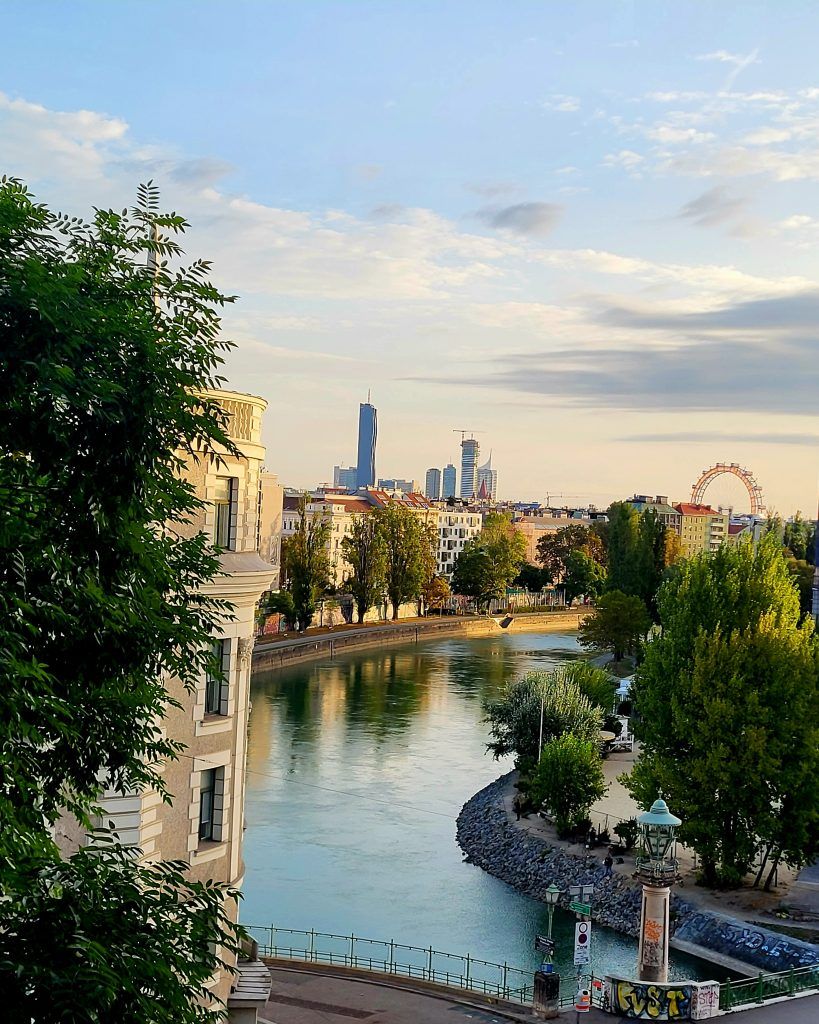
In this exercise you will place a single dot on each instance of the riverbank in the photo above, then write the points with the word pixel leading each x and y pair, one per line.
pixel 325 643
pixel 492 839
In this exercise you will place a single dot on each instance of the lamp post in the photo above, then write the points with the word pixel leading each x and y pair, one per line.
pixel 546 994
pixel 657 870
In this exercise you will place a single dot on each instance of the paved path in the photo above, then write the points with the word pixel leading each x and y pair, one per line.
pixel 310 998
pixel 305 998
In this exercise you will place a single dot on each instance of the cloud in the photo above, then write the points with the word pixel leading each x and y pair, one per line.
pixel 494 189
pixel 739 61
pixel 759 377
pixel 714 206
pixel 723 437
pixel 369 172
pixel 529 218
pixel 560 102
pixel 200 172
pixel 626 159
pixel 673 135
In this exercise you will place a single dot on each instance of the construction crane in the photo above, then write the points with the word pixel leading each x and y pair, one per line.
pixel 463 433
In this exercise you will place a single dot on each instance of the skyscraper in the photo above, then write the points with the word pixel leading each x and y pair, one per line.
pixel 450 481
pixel 488 476
pixel 432 485
pixel 470 450
pixel 367 434
pixel 345 476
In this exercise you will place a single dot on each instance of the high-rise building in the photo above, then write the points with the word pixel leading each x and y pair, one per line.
pixel 488 477
pixel 345 476
pixel 367 435
pixel 398 484
pixel 450 481
pixel 815 608
pixel 470 450
pixel 432 485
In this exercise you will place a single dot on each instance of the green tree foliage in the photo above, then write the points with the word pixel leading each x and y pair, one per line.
pixel 728 704
pixel 640 548
pixel 555 549
pixel 532 578
pixel 584 577
pixel 594 683
pixel 568 780
pixel 106 355
pixel 515 718
pixel 409 546
pixel 490 562
pixel 364 552
pixel 802 574
pixel 279 602
pixel 435 593
pixel 616 624
pixel 798 538
pixel 306 560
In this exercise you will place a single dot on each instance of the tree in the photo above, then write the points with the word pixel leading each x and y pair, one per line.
pixel 617 623
pixel 568 780
pixel 490 562
pixel 802 573
pixel 364 552
pixel 515 719
pixel 532 578
pixel 584 577
pixel 306 559
pixel 435 592
pixel 594 683
pixel 798 538
pixel 553 550
pixel 279 602
pixel 409 544
pixel 106 359
pixel 728 705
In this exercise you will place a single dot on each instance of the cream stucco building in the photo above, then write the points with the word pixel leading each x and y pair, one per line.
pixel 701 528
pixel 204 825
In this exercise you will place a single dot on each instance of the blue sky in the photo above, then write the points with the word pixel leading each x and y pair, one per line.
pixel 587 229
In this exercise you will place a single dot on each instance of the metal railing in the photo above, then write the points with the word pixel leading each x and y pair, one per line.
pixel 396 958
pixel 768 986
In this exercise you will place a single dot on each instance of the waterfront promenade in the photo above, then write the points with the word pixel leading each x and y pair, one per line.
pixel 300 997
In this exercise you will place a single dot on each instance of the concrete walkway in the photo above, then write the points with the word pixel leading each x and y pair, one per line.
pixel 312 998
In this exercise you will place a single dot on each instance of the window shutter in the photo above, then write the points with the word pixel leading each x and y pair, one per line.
pixel 234 511
pixel 219 805
pixel 224 689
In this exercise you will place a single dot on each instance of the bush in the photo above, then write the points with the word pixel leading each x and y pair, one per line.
pixel 568 780
pixel 627 832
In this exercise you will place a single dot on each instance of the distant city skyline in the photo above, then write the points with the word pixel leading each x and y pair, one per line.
pixel 588 229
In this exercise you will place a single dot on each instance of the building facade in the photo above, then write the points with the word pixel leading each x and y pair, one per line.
pixel 488 480
pixel 346 477
pixel 204 824
pixel 432 484
pixel 367 438
pixel 271 506
pixel 450 481
pixel 665 512
pixel 702 528
pixel 470 451
pixel 455 528
pixel 399 484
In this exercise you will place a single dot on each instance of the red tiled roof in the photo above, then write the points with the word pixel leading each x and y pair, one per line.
pixel 735 528
pixel 695 510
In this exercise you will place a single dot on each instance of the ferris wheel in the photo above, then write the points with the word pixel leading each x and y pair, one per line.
pixel 732 469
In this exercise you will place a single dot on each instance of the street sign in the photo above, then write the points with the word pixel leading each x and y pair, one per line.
pixel 580 908
pixel 582 892
pixel 582 943
pixel 544 945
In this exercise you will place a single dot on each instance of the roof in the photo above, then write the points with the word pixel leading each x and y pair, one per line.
pixel 686 509
pixel 735 528
pixel 412 500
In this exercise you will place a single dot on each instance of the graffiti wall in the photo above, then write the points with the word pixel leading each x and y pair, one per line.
pixel 766 950
pixel 644 1000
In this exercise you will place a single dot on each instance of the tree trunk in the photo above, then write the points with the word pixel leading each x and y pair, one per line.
pixel 361 613
pixel 394 611
pixel 772 872
pixel 759 873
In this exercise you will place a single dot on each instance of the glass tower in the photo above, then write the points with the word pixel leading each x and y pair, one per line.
pixel 470 450
pixel 432 488
pixel 450 474
pixel 367 433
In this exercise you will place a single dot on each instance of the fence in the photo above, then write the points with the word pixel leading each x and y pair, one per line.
pixel 389 957
pixel 768 986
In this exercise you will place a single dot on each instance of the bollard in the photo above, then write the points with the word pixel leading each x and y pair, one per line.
pixel 546 997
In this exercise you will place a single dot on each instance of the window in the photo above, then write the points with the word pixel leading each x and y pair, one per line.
pixel 211 795
pixel 224 503
pixel 217 684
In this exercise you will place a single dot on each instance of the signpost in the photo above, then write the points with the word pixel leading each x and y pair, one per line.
pixel 582 943
pixel 584 909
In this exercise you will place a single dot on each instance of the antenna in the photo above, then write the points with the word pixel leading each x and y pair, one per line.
pixel 463 433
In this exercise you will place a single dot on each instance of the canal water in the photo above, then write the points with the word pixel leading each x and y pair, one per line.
pixel 357 769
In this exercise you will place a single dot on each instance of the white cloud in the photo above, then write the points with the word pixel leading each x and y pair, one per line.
pixel 672 135
pixel 626 158
pixel 565 104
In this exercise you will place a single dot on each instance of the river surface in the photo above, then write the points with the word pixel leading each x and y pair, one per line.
pixel 357 769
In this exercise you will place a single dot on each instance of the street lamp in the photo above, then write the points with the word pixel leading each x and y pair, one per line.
pixel 657 869
pixel 546 995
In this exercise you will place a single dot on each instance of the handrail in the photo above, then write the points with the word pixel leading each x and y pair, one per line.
pixel 389 957
pixel 768 986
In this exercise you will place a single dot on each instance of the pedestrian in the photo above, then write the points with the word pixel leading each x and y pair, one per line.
pixel 516 804
pixel 607 865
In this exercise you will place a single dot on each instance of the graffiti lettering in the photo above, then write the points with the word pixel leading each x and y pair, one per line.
pixel 651 1002
pixel 764 949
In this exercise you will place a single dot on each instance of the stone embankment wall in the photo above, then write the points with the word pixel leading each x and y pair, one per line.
pixel 269 654
pixel 530 864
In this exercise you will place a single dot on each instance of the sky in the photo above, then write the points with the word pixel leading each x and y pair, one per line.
pixel 587 230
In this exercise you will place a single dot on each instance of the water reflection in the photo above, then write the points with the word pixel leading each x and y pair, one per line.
pixel 357 769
